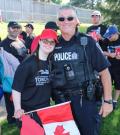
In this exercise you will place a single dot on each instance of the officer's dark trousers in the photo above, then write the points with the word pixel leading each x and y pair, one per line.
pixel 86 116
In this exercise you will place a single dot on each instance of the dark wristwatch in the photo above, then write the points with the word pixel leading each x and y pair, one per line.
pixel 108 101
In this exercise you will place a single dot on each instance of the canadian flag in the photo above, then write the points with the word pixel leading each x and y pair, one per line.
pixel 58 120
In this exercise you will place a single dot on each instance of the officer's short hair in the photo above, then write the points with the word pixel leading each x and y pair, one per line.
pixel 67 7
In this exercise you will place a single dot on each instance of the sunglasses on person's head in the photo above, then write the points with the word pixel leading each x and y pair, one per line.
pixel 62 19
pixel 95 15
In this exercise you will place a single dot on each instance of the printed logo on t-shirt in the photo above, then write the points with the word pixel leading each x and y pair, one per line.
pixel 42 77
pixel 44 72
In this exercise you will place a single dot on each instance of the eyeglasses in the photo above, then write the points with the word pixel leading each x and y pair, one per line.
pixel 62 19
pixel 95 15
pixel 46 41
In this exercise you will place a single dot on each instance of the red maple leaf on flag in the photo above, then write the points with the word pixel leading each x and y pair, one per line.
pixel 59 131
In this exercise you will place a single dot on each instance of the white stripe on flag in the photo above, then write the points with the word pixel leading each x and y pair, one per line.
pixel 68 126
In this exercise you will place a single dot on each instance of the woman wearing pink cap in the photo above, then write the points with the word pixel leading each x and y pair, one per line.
pixel 31 85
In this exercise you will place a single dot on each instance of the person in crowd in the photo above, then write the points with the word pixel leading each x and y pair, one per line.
pixel 30 36
pixel 31 85
pixel 9 44
pixel 112 43
pixel 49 25
pixel 76 61
pixel 97 29
pixel 22 35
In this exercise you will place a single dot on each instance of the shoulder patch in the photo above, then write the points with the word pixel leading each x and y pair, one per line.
pixel 84 40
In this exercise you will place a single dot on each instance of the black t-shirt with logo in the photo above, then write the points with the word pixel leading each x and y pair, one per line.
pixel 32 81
pixel 101 29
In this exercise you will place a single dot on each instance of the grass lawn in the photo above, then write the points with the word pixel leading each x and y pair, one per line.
pixel 8 129
pixel 110 125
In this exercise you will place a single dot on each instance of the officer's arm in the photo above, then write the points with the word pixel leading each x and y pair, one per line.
pixel 107 85
pixel 106 107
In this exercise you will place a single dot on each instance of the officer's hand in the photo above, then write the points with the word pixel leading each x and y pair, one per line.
pixel 106 53
pixel 106 109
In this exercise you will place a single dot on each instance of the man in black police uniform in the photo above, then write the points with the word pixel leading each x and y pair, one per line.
pixel 75 59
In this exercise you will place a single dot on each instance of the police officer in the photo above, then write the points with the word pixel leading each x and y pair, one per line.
pixel 74 61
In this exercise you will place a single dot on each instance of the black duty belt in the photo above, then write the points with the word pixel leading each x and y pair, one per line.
pixel 81 92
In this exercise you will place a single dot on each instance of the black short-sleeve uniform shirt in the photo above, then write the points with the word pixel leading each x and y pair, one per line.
pixel 95 56
pixel 32 81
pixel 68 52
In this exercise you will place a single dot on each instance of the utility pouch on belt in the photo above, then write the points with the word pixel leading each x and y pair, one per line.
pixel 90 91
pixel 98 90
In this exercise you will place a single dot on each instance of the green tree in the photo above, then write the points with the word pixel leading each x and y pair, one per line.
pixel 56 1
pixel 111 11
pixel 83 3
